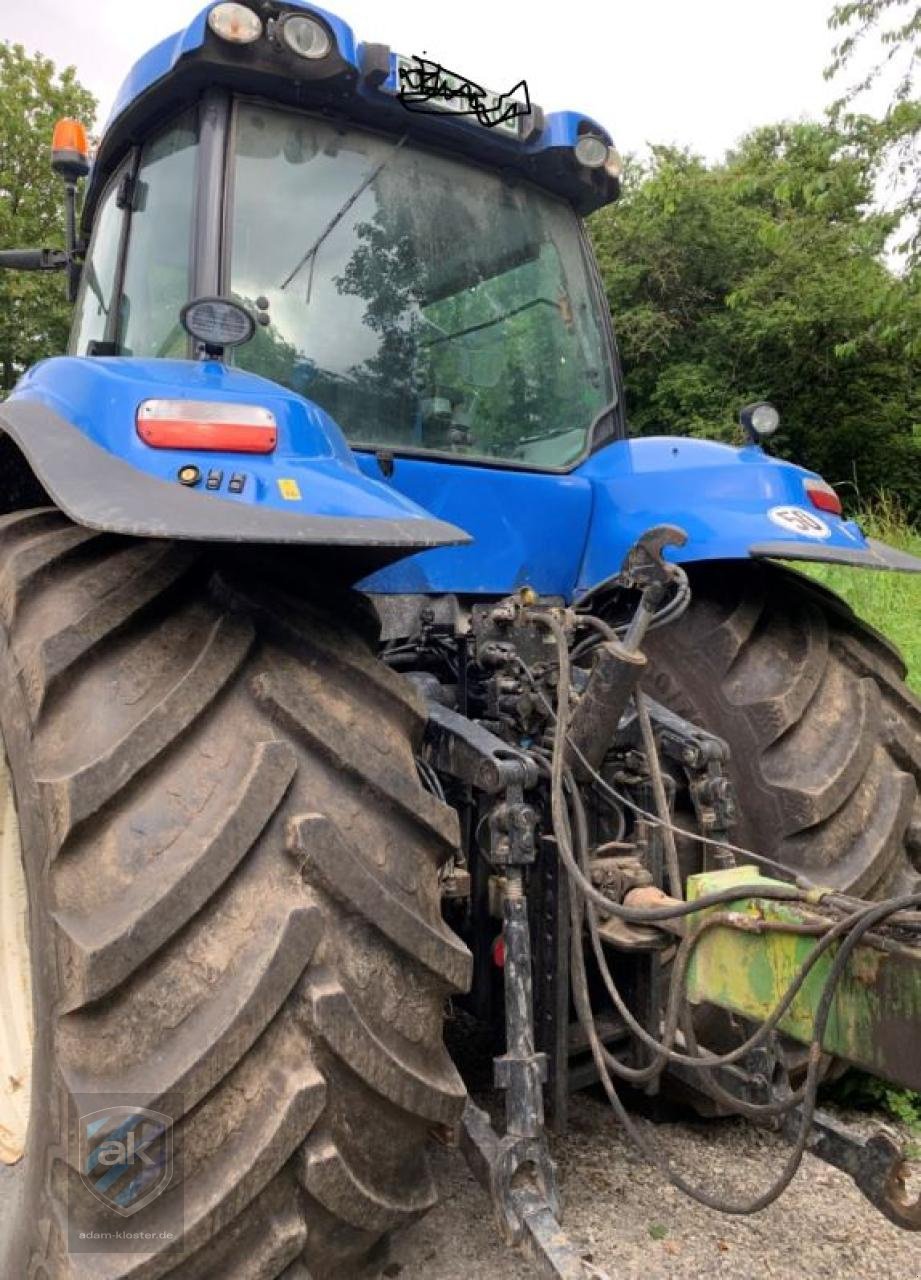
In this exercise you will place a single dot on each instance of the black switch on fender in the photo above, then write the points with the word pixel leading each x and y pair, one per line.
pixel 215 480
pixel 237 481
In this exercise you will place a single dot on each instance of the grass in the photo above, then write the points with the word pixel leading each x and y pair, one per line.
pixel 868 1093
pixel 890 602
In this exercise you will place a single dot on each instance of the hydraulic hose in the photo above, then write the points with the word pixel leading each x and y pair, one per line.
pixel 587 900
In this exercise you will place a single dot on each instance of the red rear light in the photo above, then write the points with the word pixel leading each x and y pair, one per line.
pixel 823 496
pixel 498 952
pixel 207 425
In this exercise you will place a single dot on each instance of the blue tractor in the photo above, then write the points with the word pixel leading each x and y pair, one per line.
pixel 354 660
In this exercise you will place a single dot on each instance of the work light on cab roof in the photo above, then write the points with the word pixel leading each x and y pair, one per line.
pixel 305 36
pixel 235 23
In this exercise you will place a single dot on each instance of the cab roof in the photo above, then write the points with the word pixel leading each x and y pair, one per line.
pixel 360 81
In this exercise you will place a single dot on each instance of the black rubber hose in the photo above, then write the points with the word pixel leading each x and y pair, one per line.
pixel 855 928
pixel 858 928
pixel 664 1048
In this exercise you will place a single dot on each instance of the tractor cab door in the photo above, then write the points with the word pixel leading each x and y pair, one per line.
pixel 138 271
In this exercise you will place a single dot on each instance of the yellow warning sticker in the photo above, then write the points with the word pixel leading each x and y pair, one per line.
pixel 289 489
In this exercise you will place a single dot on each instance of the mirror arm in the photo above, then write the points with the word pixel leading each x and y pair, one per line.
pixel 53 259
pixel 73 266
pixel 35 259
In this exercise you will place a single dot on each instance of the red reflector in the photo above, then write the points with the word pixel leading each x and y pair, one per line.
pixel 498 952
pixel 823 496
pixel 206 425
pixel 224 437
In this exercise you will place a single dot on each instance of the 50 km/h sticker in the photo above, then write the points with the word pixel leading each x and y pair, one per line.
pixel 796 520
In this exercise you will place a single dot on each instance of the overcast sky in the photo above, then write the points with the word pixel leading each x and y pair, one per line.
pixel 699 74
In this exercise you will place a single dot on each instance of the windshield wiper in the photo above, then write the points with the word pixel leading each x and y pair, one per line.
pixel 340 213
pixel 95 287
pixel 489 324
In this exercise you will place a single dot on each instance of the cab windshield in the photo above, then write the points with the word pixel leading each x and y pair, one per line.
pixel 424 303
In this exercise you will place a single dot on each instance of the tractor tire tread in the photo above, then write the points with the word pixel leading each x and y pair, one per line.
pixel 824 735
pixel 206 747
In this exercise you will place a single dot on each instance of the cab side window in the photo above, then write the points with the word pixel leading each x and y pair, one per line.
pixel 157 270
pixel 95 299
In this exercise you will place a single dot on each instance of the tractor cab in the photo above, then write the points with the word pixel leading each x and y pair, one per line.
pixel 416 270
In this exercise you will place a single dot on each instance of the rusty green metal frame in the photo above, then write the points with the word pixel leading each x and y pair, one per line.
pixel 875 1019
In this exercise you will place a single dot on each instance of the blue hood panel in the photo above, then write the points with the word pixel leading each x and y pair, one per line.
pixel 528 529
pixel 566 534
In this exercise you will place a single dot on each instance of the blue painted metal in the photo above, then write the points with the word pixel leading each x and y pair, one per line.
pixel 561 129
pixel 561 534
pixel 719 494
pixel 528 529
pixel 101 398
pixel 564 534
pixel 163 57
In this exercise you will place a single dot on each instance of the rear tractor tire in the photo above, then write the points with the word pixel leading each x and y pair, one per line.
pixel 233 912
pixel 825 737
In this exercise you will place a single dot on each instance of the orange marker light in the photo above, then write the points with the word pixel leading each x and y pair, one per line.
pixel 70 150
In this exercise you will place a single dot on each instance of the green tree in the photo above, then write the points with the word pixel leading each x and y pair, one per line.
pixel 34 313
pixel 764 277
pixel 880 42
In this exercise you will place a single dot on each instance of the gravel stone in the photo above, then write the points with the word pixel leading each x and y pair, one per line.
pixel 635 1226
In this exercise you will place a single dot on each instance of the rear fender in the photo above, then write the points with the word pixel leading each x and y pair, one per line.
pixel 733 504
pixel 73 422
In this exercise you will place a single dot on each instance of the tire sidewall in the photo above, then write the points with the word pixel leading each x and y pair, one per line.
pixel 682 678
pixel 25 1214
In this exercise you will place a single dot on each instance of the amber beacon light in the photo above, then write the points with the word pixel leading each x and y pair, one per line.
pixel 70 150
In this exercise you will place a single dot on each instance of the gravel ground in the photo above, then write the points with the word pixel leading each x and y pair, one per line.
pixel 634 1225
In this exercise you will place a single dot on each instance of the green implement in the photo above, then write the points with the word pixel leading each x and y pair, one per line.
pixel 876 1011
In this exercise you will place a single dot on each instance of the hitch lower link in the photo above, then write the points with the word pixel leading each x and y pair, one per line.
pixel 515 1168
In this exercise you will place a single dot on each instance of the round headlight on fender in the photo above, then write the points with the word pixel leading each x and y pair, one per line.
pixel 306 37
pixel 759 420
pixel 235 23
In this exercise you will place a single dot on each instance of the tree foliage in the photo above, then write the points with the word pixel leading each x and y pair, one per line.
pixel 880 43
pixel 763 277
pixel 34 313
